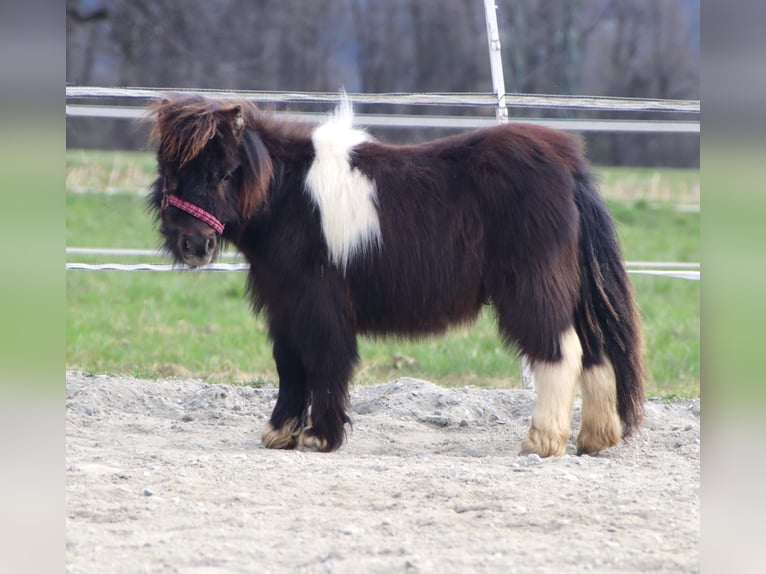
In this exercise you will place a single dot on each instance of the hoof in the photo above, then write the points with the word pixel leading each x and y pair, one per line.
pixel 311 443
pixel 593 439
pixel 600 426
pixel 544 444
pixel 286 437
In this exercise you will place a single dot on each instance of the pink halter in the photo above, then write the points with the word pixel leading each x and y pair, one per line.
pixel 189 208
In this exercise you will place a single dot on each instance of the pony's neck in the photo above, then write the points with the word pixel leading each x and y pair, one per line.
pixel 288 142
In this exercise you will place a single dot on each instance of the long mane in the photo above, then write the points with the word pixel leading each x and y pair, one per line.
pixel 185 123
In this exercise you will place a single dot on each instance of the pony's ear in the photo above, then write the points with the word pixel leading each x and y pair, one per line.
pixel 233 116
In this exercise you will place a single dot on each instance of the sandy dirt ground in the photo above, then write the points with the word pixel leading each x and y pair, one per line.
pixel 170 476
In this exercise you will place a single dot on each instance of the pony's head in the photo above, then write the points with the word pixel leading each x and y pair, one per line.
pixel 213 174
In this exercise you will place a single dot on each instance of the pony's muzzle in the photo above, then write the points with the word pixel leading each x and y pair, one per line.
pixel 197 249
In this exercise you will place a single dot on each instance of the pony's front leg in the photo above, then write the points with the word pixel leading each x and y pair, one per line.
pixel 328 383
pixel 288 418
pixel 328 350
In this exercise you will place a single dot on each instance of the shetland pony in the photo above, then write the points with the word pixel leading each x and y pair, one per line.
pixel 347 235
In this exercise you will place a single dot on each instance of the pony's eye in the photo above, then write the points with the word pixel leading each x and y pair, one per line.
pixel 226 177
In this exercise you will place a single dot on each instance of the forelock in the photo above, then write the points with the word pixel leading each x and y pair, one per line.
pixel 184 125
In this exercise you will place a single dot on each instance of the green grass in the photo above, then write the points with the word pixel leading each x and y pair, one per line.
pixel 650 184
pixel 108 171
pixel 200 325
pixel 185 324
pixel 114 220
pixel 128 170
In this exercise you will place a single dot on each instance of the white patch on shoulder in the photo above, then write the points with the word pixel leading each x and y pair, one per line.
pixel 346 198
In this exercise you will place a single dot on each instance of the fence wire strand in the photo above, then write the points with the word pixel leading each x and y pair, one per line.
pixel 683 272
pixel 470 99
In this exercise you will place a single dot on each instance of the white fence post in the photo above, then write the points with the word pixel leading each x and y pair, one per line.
pixel 495 59
pixel 498 85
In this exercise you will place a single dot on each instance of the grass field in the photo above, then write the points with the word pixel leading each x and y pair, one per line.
pixel 199 324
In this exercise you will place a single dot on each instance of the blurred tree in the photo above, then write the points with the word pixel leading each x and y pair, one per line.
pixel 646 50
pixel 640 48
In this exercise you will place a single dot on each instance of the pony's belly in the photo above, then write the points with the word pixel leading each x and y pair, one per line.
pixel 416 316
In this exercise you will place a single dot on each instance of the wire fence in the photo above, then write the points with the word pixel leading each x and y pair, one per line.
pixel 689 271
pixel 101 104
pixel 472 99
pixel 673 273
pixel 432 121
pixel 672 269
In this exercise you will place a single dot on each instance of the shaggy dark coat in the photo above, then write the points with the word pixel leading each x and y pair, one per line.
pixel 507 216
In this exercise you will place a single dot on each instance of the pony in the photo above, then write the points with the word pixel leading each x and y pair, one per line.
pixel 346 235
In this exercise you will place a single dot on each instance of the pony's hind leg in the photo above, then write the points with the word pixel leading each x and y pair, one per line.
pixel 556 384
pixel 284 428
pixel 600 426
